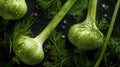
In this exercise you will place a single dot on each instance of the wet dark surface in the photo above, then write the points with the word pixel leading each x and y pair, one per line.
pixel 40 25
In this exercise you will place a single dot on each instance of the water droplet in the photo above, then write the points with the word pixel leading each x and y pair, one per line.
pixel 105 15
pixel 79 37
pixel 103 5
pixel 35 14
pixel 63 36
pixel 64 24
pixel 22 45
pixel 6 1
pixel 19 51
pixel 16 12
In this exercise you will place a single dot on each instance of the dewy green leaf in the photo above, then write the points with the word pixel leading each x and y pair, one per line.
pixel 112 55
pixel 114 46
pixel 103 24
pixel 51 6
pixel 57 49
pixel 22 27
pixel 61 56
pixel 44 4
pixel 54 8
pixel 77 9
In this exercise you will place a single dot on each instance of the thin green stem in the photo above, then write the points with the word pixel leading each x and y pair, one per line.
pixel 91 16
pixel 55 21
pixel 92 9
pixel 108 34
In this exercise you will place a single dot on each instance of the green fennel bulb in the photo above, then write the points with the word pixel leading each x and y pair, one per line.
pixel 13 9
pixel 29 50
pixel 86 36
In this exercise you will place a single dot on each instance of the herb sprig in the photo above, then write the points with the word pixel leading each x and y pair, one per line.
pixel 62 56
pixel 53 6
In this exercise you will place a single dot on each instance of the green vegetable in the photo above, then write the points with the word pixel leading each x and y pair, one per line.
pixel 29 50
pixel 13 10
pixel 22 27
pixel 86 36
pixel 62 55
